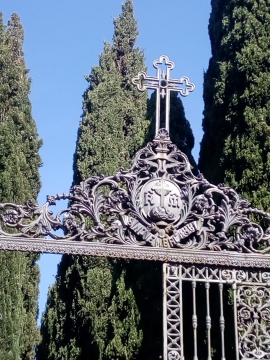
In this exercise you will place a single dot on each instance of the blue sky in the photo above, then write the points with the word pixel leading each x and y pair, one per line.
pixel 63 40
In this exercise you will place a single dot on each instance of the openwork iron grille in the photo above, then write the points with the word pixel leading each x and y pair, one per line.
pixel 249 294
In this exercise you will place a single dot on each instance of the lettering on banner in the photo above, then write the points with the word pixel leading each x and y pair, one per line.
pixel 187 230
pixel 151 239
pixel 164 241
pixel 138 228
pixel 141 230
pixel 147 236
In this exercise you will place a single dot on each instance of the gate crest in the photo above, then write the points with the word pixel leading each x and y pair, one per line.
pixel 157 203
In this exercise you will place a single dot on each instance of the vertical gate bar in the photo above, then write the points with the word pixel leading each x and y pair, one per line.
pixel 165 333
pixel 260 276
pixel 167 118
pixel 235 321
pixel 208 321
pixel 181 313
pixel 194 320
pixel 221 321
pixel 157 110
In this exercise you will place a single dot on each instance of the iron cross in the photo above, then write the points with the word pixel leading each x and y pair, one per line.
pixel 160 190
pixel 163 85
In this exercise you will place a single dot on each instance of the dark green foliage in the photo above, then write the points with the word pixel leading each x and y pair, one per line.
pixel 147 286
pixel 77 310
pixel 112 103
pixel 99 308
pixel 19 181
pixel 236 143
pixel 91 310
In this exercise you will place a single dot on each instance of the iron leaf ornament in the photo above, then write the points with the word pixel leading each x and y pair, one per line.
pixel 157 203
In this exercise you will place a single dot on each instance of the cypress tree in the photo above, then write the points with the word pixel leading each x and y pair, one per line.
pixel 19 181
pixel 102 308
pixel 236 142
pixel 91 309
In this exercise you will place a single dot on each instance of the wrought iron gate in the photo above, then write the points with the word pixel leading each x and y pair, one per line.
pixel 214 245
pixel 250 303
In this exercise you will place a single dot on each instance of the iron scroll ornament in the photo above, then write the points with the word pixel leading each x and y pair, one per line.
pixel 157 203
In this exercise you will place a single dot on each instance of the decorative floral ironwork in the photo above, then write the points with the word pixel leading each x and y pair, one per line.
pixel 173 355
pixel 158 203
pixel 253 322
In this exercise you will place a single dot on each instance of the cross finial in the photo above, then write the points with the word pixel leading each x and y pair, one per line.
pixel 163 85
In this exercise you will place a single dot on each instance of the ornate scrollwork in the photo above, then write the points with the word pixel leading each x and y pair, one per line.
pixel 253 321
pixel 173 355
pixel 158 203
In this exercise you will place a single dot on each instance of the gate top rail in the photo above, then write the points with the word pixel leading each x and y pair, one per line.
pixel 165 255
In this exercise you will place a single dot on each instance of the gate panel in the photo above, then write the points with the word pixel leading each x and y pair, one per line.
pixel 250 301
pixel 253 321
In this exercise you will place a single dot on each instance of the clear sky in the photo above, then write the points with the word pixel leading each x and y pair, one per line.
pixel 63 40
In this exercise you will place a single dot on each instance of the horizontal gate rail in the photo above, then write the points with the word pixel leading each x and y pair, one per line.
pixel 53 246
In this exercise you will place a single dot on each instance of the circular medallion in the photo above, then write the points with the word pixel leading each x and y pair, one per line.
pixel 161 201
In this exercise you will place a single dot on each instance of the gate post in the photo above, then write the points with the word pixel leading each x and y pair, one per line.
pixel 173 348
